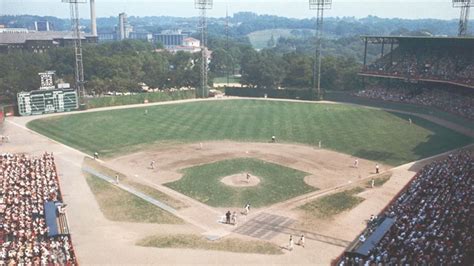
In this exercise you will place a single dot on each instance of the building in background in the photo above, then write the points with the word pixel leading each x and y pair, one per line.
pixel 189 44
pixel 144 36
pixel 170 38
pixel 43 26
pixel 38 41
pixel 12 30
pixel 123 28
pixel 107 36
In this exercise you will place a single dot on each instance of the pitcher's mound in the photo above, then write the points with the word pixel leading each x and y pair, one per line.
pixel 240 180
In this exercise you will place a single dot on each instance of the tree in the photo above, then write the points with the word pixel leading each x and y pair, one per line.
pixel 271 43
pixel 221 61
pixel 299 70
pixel 264 69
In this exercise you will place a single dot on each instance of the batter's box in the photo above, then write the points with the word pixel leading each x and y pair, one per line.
pixel 265 226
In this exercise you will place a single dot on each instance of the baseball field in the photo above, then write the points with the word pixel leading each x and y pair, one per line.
pixel 366 133
pixel 214 156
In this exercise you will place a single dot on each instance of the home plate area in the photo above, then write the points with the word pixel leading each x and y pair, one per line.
pixel 265 226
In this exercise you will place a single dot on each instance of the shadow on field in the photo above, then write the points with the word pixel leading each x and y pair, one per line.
pixel 424 149
pixel 383 156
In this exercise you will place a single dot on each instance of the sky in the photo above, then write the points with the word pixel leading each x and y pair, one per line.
pixel 411 9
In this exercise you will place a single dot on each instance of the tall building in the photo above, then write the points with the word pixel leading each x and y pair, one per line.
pixel 93 18
pixel 124 28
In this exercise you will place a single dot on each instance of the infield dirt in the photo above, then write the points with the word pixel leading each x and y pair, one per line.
pixel 100 241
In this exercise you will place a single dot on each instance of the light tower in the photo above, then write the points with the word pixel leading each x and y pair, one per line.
pixel 75 27
pixel 465 6
pixel 203 6
pixel 319 6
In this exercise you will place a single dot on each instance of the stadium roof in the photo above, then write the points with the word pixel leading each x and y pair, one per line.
pixel 22 37
pixel 389 39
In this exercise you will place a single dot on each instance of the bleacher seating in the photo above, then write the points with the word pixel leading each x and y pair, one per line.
pixel 446 100
pixel 26 184
pixel 436 61
pixel 433 219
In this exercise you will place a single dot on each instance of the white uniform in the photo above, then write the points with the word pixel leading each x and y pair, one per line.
pixel 301 243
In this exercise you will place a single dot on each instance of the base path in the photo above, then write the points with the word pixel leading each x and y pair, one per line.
pixel 101 241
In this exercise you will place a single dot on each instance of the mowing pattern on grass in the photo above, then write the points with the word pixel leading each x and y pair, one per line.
pixel 277 183
pixel 364 133
pixel 119 205
pixel 419 109
pixel 198 242
pixel 147 190
pixel 328 206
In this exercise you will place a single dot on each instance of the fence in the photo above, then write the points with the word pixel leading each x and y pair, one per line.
pixel 271 93
pixel 138 98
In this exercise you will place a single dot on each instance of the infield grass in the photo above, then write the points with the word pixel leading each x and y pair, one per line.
pixel 277 183
pixel 198 242
pixel 366 133
pixel 119 205
pixel 328 206
pixel 145 189
pixel 380 180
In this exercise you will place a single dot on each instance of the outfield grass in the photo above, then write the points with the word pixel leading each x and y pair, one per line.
pixel 198 242
pixel 418 109
pixel 119 205
pixel 358 131
pixel 328 206
pixel 277 183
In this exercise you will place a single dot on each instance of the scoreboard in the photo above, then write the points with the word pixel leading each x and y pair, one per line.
pixel 47 101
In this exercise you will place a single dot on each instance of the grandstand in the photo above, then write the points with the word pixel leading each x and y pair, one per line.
pixel 430 71
pixel 34 226
pixel 423 59
pixel 427 223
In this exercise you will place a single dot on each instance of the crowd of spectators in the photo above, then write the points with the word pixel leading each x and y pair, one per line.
pixel 452 65
pixel 26 183
pixel 445 100
pixel 434 219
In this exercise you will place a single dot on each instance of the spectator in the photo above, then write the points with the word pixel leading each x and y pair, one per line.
pixel 25 185
pixel 433 218
pixel 427 62
pixel 445 100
